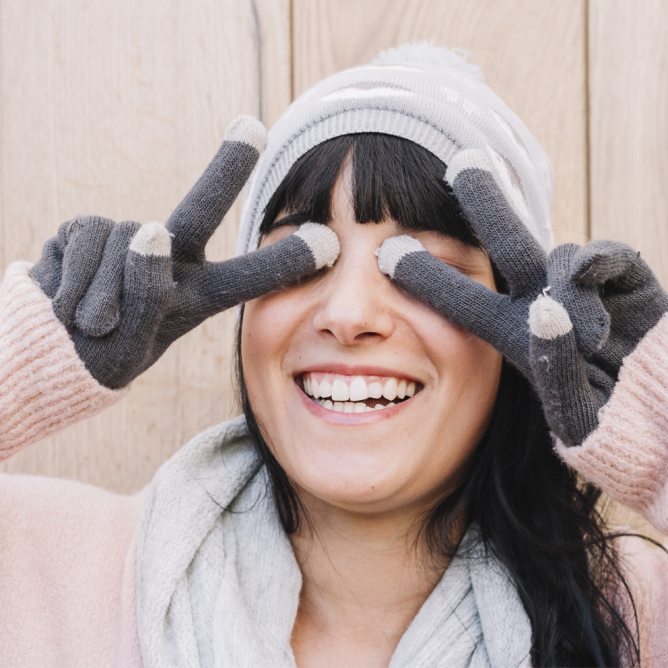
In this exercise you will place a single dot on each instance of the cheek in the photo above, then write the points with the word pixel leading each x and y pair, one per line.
pixel 469 371
pixel 452 348
pixel 266 321
pixel 461 404
pixel 271 327
pixel 272 322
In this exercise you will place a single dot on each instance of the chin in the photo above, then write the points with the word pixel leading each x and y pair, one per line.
pixel 359 481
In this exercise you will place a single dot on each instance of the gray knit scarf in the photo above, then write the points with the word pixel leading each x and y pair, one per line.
pixel 218 585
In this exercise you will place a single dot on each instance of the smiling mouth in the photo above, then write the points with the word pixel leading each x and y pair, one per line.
pixel 357 394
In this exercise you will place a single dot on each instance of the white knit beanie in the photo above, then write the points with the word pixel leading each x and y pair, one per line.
pixel 417 91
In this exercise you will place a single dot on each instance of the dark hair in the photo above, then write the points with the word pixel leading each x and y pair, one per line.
pixel 533 513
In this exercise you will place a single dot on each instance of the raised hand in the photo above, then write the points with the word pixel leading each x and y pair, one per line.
pixel 573 377
pixel 499 319
pixel 127 291
pixel 569 319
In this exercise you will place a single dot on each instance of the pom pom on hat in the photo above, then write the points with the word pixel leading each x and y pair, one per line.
pixel 425 52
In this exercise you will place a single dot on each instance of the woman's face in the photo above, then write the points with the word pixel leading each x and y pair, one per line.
pixel 352 328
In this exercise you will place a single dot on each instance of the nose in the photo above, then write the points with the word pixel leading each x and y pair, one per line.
pixel 355 306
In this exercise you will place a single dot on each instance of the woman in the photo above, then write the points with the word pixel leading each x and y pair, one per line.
pixel 419 515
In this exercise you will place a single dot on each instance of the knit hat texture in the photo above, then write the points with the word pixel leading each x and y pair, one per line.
pixel 427 94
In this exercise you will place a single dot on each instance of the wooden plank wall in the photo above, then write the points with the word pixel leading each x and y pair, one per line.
pixel 628 138
pixel 116 107
pixel 532 54
pixel 629 125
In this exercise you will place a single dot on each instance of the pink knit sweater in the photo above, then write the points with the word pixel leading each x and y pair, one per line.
pixel 67 550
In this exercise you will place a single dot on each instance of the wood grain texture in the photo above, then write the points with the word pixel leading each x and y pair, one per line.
pixel 532 54
pixel 629 125
pixel 628 99
pixel 115 109
pixel 275 57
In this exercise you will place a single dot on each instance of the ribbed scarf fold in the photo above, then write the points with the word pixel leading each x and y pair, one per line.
pixel 218 584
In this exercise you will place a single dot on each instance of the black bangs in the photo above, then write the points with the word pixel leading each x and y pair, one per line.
pixel 393 178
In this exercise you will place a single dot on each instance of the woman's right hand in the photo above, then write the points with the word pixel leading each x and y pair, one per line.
pixel 126 291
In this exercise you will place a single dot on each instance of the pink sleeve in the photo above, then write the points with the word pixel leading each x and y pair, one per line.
pixel 68 575
pixel 44 386
pixel 68 554
pixel 627 455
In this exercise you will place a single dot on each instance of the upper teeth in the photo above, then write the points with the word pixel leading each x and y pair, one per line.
pixel 344 388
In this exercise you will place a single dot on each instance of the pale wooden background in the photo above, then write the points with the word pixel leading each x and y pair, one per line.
pixel 115 106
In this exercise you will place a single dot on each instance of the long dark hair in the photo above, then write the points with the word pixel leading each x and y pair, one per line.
pixel 534 514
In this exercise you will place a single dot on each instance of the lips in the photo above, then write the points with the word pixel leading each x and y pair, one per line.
pixel 357 394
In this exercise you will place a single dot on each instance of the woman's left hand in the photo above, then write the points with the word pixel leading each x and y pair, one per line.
pixel 573 380
pixel 499 319
pixel 570 345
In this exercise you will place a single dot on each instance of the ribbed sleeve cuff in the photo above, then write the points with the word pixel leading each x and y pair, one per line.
pixel 627 456
pixel 44 386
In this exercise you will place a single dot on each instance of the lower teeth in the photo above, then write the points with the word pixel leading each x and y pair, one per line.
pixel 350 407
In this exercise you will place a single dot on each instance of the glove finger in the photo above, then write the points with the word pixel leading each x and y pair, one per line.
pixel 633 314
pixel 591 320
pixel 147 291
pixel 196 218
pixel 221 285
pixel 481 311
pixel 601 261
pixel 99 312
pixel 48 271
pixel 570 400
pixel 82 241
pixel 629 292
pixel 513 249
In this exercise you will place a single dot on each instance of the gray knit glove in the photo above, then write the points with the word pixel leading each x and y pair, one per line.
pixel 602 300
pixel 574 379
pixel 499 319
pixel 126 291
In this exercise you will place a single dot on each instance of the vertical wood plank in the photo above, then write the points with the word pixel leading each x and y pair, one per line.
pixel 629 125
pixel 274 19
pixel 533 56
pixel 628 84
pixel 115 109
